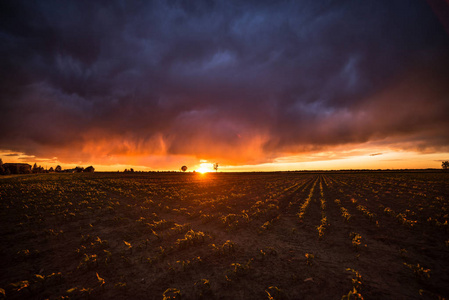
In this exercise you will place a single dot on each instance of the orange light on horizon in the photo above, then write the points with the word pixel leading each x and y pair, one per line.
pixel 205 168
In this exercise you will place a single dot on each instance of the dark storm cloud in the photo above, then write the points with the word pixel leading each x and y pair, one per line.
pixel 12 154
pixel 219 79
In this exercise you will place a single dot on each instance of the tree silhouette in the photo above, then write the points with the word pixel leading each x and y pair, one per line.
pixel 445 165
pixel 58 169
pixel 89 169
pixel 184 168
pixel 215 167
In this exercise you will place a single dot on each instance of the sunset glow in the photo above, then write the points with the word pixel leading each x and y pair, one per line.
pixel 205 168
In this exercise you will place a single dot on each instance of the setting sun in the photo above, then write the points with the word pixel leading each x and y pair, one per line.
pixel 205 168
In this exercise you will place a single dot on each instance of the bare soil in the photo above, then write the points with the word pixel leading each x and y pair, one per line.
pixel 225 236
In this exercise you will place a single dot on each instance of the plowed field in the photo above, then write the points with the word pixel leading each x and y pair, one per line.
pixel 378 235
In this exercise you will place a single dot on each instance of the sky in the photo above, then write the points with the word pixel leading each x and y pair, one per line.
pixel 250 85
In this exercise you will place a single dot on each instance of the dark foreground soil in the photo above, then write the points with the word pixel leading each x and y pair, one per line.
pixel 225 236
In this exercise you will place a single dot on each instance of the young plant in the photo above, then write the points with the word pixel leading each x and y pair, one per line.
pixel 356 286
pixel 20 285
pixel 240 269
pixel 100 280
pixel 356 240
pixel 345 214
pixel 89 261
pixel 171 293
pixel 322 228
pixel 121 285
pixel 371 216
pixel 309 258
pixel 303 208
pixel 191 238
pixel 275 293
pixel 130 247
pixel 419 271
pixel 202 289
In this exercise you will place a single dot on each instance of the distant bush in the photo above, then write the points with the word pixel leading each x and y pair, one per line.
pixel 445 165
pixel 89 169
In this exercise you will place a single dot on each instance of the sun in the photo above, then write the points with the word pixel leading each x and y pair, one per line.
pixel 205 168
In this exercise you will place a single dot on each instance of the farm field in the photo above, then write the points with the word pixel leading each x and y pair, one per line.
pixel 372 235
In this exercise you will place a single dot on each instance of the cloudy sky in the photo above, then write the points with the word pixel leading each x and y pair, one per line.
pixel 256 85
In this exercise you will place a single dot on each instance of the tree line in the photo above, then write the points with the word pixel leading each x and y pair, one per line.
pixel 23 168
